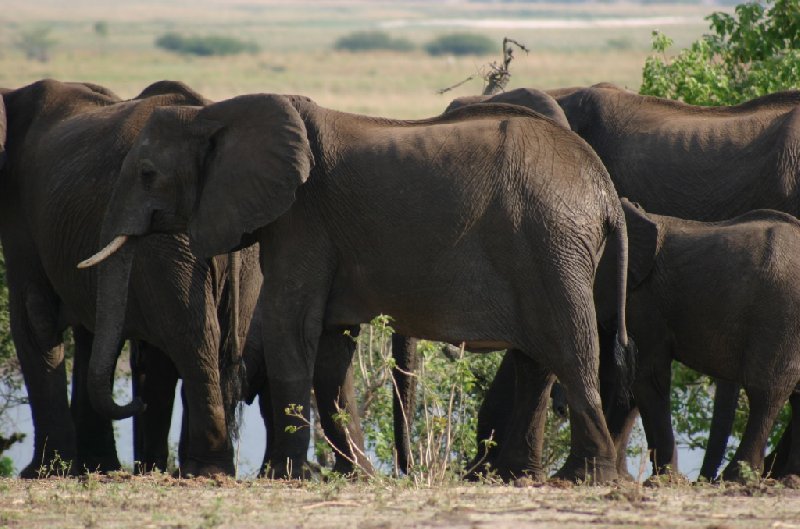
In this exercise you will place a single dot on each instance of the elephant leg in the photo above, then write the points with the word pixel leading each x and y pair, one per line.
pixel 620 410
pixel 521 452
pixel 494 416
pixel 207 446
pixel 96 447
pixel 621 418
pixel 726 400
pixel 765 404
pixel 790 456
pixel 334 391
pixel 404 352
pixel 574 358
pixel 652 394
pixel 33 309
pixel 291 339
pixel 154 380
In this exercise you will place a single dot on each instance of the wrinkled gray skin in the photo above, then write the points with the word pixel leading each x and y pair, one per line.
pixel 706 163
pixel 701 163
pixel 723 299
pixel 536 100
pixel 66 143
pixel 404 350
pixel 507 223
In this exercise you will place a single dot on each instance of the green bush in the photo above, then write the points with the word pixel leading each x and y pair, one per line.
pixel 372 40
pixel 204 46
pixel 461 44
pixel 754 52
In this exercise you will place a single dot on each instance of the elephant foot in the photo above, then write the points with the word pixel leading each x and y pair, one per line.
pixel 353 471
pixel 740 472
pixel 581 470
pixel 102 465
pixel 290 468
pixel 145 467
pixel 54 466
pixel 197 468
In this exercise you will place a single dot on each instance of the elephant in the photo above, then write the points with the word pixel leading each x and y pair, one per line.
pixel 722 298
pixel 514 218
pixel 701 163
pixel 66 143
pixel 347 440
pixel 404 349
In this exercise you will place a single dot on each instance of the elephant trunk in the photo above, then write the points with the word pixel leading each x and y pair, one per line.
pixel 112 299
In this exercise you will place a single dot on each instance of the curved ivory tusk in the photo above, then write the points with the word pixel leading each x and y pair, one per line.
pixel 103 254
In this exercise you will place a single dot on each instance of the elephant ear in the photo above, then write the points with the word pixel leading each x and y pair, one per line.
pixel 643 242
pixel 257 156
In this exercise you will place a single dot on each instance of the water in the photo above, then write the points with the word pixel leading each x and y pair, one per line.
pixel 252 439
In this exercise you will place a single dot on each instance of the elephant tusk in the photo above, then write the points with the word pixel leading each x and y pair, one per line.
pixel 103 254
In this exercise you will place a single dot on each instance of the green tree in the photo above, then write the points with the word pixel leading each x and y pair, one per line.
pixel 755 51
pixel 750 53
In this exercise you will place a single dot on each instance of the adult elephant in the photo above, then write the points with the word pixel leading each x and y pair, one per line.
pixel 703 163
pixel 508 224
pixel 66 143
pixel 404 349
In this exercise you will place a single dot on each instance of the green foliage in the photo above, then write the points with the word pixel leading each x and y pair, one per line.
pixel 749 54
pixel 461 44
pixel 372 40
pixel 449 393
pixel 204 46
pixel 6 467
pixel 36 43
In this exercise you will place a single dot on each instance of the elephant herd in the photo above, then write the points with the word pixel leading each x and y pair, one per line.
pixel 232 243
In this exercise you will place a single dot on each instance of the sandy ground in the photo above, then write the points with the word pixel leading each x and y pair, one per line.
pixel 163 502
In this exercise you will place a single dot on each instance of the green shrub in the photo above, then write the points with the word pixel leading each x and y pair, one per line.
pixel 461 44
pixel 372 40
pixel 754 52
pixel 6 467
pixel 204 46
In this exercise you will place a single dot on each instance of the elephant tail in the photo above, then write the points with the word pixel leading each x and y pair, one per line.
pixel 625 351
pixel 230 350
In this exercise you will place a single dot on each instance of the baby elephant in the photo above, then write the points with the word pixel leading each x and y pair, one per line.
pixel 722 298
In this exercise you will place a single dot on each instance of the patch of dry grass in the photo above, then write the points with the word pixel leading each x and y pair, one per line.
pixel 159 501
pixel 296 56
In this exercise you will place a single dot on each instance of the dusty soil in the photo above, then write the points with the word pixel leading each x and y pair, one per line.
pixel 163 502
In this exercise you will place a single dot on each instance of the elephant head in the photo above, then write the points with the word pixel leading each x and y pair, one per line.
pixel 219 172
pixel 535 100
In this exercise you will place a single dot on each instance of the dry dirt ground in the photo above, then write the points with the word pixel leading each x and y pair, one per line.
pixel 160 501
